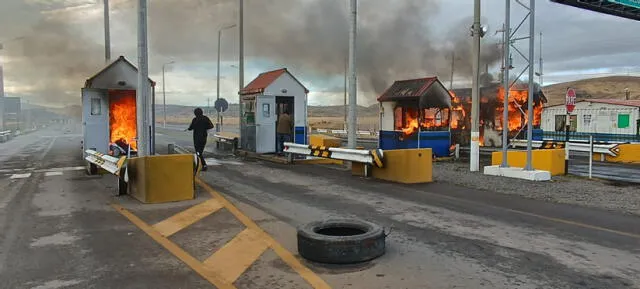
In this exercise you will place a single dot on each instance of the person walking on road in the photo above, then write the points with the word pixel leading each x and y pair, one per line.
pixel 200 125
pixel 283 130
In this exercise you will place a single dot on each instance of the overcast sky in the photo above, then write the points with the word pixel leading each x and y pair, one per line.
pixel 63 40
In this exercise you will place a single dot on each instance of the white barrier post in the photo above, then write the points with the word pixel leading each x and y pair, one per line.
pixel 590 155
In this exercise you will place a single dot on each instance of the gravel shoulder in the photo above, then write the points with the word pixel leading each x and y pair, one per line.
pixel 562 189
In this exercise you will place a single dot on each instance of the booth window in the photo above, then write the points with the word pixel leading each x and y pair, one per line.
pixel 96 107
pixel 248 110
pixel 623 120
pixel 433 119
pixel 266 110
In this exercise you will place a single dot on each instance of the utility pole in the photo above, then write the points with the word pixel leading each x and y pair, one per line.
pixel 164 95
pixel 475 91
pixel 353 98
pixel 218 74
pixel 453 63
pixel 142 94
pixel 540 52
pixel 107 33
pixel 241 65
pixel 506 39
pixel 346 88
pixel 532 44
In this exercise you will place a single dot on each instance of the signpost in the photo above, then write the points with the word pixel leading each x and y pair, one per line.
pixel 570 103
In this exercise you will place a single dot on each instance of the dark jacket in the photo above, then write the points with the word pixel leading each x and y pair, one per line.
pixel 199 125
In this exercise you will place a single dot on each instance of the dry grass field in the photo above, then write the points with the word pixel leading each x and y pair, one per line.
pixel 611 87
pixel 331 122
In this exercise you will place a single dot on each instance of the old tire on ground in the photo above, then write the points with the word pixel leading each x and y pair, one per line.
pixel 341 241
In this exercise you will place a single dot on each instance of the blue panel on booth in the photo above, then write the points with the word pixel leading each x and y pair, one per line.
pixel 537 134
pixel 300 135
pixel 439 141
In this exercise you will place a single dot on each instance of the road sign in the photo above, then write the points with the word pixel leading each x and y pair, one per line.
pixel 570 100
pixel 221 105
pixel 630 3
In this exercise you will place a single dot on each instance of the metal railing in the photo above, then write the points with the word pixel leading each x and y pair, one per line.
pixel 106 162
pixel 598 137
pixel 5 135
pixel 607 149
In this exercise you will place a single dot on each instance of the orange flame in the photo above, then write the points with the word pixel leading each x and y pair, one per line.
pixel 122 119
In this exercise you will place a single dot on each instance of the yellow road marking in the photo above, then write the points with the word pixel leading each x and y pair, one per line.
pixel 236 256
pixel 314 280
pixel 187 217
pixel 175 250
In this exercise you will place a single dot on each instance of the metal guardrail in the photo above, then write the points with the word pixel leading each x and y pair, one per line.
pixel 607 149
pixel 344 132
pixel 5 135
pixel 371 157
pixel 106 162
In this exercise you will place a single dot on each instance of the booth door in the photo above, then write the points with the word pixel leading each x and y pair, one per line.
pixel 95 120
pixel 266 124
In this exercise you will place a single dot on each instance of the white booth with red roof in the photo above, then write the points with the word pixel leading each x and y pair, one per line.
pixel 261 103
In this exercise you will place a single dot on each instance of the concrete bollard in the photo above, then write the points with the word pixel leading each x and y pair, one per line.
pixel 171 149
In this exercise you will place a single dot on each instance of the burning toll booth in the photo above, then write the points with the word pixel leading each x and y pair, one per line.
pixel 109 109
pixel 415 113
pixel 491 113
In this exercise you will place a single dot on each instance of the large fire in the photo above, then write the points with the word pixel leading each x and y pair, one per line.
pixel 122 120
pixel 458 117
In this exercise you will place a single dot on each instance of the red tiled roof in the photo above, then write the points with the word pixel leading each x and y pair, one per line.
pixel 260 83
pixel 633 102
pixel 412 88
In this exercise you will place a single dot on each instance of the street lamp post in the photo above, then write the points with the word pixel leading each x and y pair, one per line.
pixel 164 95
pixel 218 74
pixel 2 84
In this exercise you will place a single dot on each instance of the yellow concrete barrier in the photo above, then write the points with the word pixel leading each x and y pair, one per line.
pixel 545 160
pixel 162 178
pixel 629 153
pixel 406 166
pixel 324 140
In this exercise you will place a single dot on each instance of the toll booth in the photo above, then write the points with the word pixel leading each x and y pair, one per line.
pixel 416 113
pixel 262 102
pixel 109 109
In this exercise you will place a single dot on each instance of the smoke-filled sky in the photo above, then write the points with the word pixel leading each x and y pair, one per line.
pixel 60 43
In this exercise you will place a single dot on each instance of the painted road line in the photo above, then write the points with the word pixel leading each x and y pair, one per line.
pixel 50 174
pixel 20 176
pixel 232 260
pixel 187 217
pixel 314 280
pixel 552 219
pixel 192 262
pixel 62 169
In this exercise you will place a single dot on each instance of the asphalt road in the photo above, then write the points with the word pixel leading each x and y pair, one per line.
pixel 446 236
pixel 59 230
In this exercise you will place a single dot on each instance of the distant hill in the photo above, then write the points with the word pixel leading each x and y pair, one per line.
pixel 611 87
pixel 180 111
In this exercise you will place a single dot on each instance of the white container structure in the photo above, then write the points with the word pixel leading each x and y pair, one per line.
pixel 606 119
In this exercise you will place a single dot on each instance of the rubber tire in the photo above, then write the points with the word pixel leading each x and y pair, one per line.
pixel 341 249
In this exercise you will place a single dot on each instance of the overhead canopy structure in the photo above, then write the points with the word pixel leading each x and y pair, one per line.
pixel 629 9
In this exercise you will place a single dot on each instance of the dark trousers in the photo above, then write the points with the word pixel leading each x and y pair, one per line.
pixel 282 138
pixel 199 146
